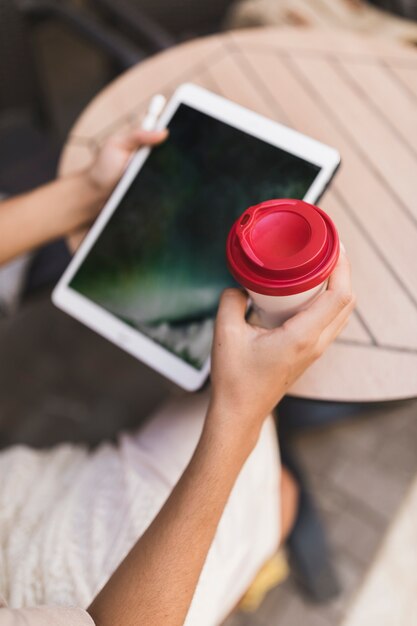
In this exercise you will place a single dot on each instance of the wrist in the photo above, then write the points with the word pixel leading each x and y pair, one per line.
pixel 230 431
pixel 89 198
pixel 94 190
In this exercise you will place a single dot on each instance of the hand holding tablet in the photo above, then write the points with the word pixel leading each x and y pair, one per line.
pixel 112 159
pixel 149 274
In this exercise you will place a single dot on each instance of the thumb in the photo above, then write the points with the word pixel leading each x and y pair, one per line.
pixel 139 137
pixel 232 307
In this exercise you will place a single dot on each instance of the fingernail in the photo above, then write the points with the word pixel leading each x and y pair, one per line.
pixel 342 247
pixel 160 131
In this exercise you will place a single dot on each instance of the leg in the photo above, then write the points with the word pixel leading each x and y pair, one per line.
pixel 289 499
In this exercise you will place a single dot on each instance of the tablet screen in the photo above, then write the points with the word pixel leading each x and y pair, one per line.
pixel 159 264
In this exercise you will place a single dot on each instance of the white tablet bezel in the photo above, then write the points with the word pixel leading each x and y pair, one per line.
pixel 109 326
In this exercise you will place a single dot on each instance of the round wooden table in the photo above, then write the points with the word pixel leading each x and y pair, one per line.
pixel 357 94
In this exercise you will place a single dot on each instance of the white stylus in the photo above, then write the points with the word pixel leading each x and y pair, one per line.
pixel 155 108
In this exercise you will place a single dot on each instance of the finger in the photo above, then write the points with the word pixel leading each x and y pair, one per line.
pixel 340 279
pixel 324 310
pixel 335 328
pixel 232 307
pixel 140 137
pixel 331 334
pixel 74 240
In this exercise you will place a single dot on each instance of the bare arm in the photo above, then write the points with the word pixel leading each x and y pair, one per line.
pixel 251 370
pixel 156 582
pixel 49 212
pixel 67 205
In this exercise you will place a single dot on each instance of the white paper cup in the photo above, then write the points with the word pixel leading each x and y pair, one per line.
pixel 272 311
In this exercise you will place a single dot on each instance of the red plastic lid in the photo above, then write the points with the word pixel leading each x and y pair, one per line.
pixel 282 247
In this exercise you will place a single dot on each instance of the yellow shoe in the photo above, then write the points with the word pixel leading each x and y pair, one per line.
pixel 274 572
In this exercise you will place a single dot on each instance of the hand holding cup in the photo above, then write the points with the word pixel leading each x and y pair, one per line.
pixel 254 367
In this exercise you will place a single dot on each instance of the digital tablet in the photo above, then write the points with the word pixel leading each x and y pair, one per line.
pixel 149 274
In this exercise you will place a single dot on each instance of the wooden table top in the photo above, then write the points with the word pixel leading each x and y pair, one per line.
pixel 356 94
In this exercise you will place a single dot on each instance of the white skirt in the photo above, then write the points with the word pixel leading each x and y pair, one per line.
pixel 69 516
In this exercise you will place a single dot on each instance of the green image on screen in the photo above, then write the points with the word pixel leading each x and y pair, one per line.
pixel 159 264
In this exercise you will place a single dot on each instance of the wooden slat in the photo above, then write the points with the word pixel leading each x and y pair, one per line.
pixel 233 81
pixel 407 77
pixel 313 41
pixel 393 105
pixel 366 132
pixel 349 372
pixel 355 331
pixel 205 79
pixel 384 306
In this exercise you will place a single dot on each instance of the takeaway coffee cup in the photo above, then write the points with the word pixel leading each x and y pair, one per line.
pixel 282 252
